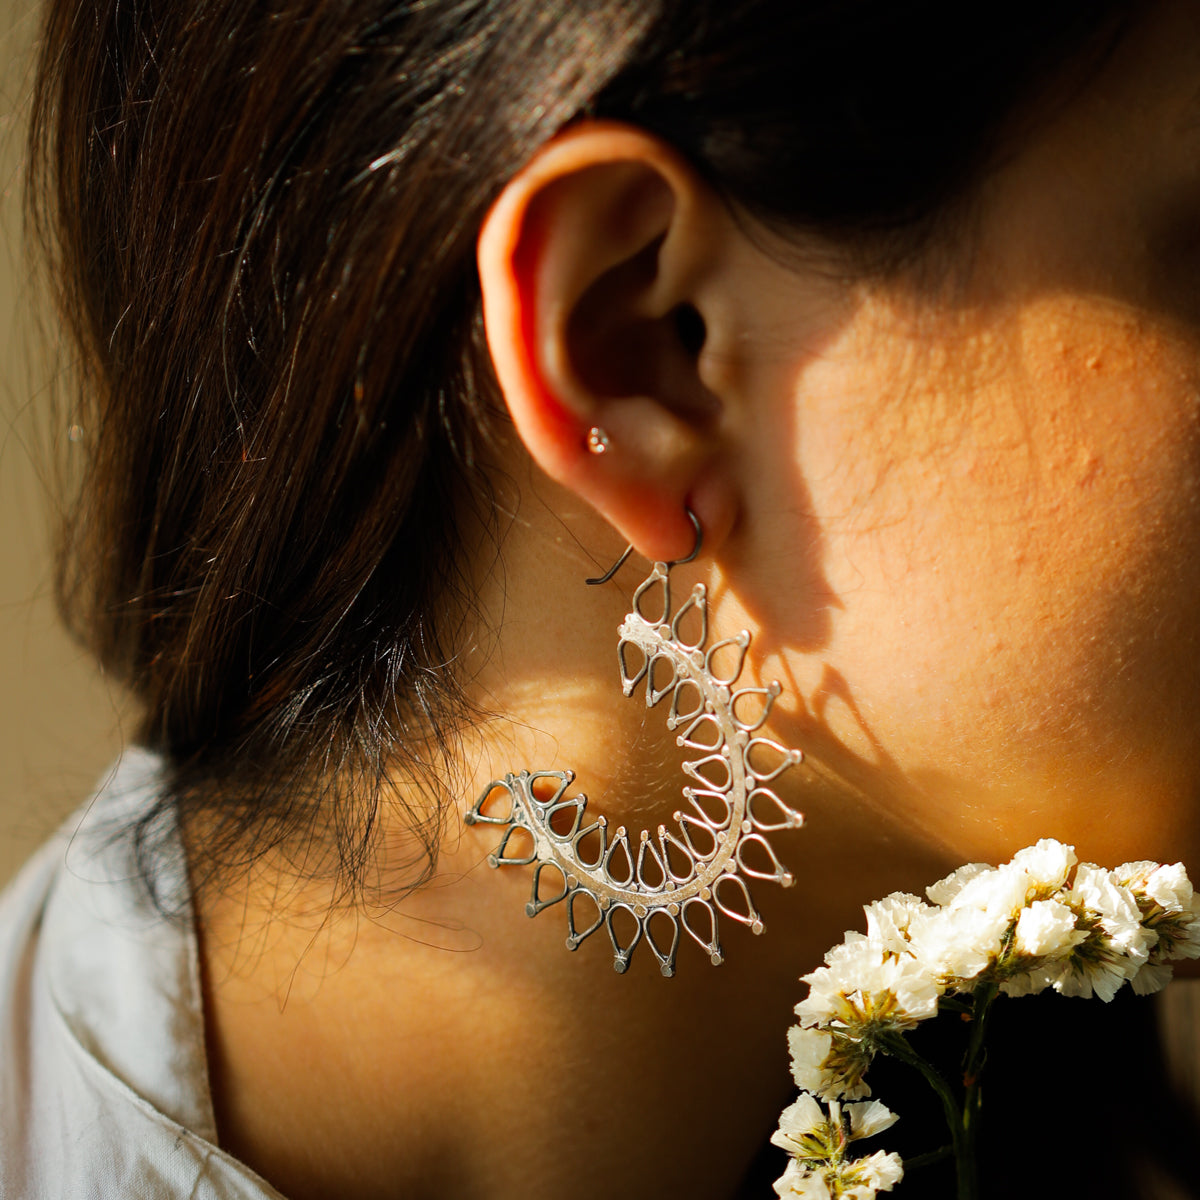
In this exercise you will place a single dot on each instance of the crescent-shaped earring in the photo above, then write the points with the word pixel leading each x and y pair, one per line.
pixel 674 881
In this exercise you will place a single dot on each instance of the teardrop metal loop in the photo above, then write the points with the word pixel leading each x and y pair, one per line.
pixel 695 603
pixel 787 817
pixel 711 944
pixel 778 872
pixel 770 694
pixel 788 758
pixel 623 953
pixel 666 958
pixel 741 642
pixel 575 936
pixel 750 915
pixel 536 902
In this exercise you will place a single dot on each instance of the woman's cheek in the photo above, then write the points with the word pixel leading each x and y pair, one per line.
pixel 1017 597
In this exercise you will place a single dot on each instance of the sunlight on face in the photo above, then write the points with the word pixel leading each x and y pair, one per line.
pixel 1001 490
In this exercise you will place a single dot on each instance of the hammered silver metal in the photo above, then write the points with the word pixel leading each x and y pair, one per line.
pixel 684 880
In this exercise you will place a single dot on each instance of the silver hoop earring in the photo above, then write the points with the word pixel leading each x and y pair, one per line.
pixel 667 882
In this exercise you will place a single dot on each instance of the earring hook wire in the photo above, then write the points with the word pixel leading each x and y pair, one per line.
pixel 678 562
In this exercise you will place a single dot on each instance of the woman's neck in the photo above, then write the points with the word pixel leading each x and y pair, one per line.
pixel 395 1061
pixel 448 1045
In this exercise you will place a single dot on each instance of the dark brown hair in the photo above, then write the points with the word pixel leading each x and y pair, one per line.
pixel 261 217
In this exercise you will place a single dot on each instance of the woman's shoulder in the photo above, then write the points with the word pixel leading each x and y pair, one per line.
pixel 104 1089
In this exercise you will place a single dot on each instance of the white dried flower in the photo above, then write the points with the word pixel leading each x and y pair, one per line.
pixel 1003 890
pixel 856 1179
pixel 806 1130
pixel 944 891
pixel 810 1052
pixel 817 1140
pixel 854 948
pixel 878 1172
pixel 864 997
pixel 1168 906
pixel 1030 982
pixel 1046 932
pixel 1046 929
pixel 799 1181
pixel 957 944
pixel 1096 892
pixel 1048 863
pixel 889 920
pixel 866 1120
pixel 829 1063
pixel 1116 945
pixel 967 937
pixel 847 1179
pixel 866 992
pixel 1151 978
pixel 1168 887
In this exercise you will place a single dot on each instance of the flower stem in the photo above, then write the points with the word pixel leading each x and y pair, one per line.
pixel 927 1160
pixel 950 1004
pixel 968 1184
pixel 973 1064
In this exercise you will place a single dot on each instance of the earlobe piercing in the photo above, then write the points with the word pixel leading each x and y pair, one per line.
pixel 664 883
pixel 597 440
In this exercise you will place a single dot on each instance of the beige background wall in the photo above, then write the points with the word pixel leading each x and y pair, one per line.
pixel 58 720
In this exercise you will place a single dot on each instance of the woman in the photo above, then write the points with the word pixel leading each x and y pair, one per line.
pixel 397 322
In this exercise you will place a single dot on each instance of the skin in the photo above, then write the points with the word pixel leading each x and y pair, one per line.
pixel 958 510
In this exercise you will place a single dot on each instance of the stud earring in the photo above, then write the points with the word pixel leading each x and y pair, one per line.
pixel 667 882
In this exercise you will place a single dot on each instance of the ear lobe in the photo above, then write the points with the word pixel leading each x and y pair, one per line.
pixel 595 266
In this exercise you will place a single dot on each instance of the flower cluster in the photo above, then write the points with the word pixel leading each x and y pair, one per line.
pixel 817 1140
pixel 1041 921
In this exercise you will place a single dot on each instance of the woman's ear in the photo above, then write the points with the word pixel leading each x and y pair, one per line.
pixel 605 315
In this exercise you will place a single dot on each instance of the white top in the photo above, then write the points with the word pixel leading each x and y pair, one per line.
pixel 103 1076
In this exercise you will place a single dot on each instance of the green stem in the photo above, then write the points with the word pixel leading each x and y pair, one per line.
pixel 968 1188
pixel 985 995
pixel 927 1160
pixel 950 1004
pixel 973 1065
